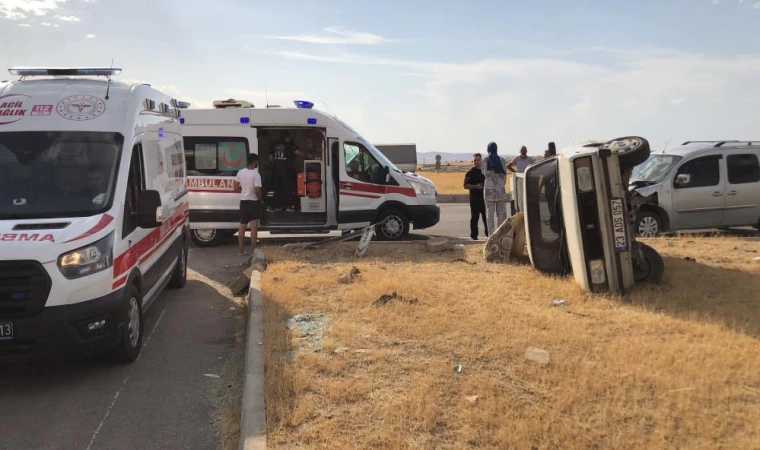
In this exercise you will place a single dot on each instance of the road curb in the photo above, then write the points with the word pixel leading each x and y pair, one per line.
pixel 253 420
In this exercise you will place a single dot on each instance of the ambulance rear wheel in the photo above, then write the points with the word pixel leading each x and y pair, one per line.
pixel 208 237
pixel 393 225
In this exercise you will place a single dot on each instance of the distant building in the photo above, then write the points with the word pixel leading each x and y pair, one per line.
pixel 404 156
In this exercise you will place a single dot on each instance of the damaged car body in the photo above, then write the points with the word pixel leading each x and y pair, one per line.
pixel 579 215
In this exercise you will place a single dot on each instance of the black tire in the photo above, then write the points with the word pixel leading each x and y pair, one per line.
pixel 649 270
pixel 632 150
pixel 208 237
pixel 394 225
pixel 649 224
pixel 179 275
pixel 129 347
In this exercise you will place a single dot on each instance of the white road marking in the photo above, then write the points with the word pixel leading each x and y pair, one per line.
pixel 123 383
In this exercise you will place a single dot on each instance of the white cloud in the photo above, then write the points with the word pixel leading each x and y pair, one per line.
pixel 46 24
pixel 21 9
pixel 335 35
pixel 756 5
pixel 677 101
pixel 25 25
pixel 715 2
pixel 68 18
pixel 262 97
pixel 90 36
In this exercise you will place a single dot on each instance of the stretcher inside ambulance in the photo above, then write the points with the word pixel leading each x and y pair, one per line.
pixel 318 174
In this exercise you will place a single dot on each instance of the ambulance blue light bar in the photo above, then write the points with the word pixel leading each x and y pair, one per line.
pixel 303 104
pixel 245 119
pixel 62 72
pixel 181 120
pixel 311 121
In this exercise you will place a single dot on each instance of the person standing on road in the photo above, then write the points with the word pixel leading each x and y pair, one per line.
pixel 520 163
pixel 248 184
pixel 473 181
pixel 494 192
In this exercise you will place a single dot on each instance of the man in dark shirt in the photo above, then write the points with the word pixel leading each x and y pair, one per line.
pixel 282 157
pixel 473 181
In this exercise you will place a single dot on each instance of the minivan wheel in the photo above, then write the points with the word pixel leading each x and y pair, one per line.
pixel 132 333
pixel 649 267
pixel 648 224
pixel 207 237
pixel 394 225
pixel 632 150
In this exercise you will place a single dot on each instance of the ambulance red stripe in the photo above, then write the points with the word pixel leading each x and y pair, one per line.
pixel 102 223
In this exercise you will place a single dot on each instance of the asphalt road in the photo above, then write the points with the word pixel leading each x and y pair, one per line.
pixel 162 400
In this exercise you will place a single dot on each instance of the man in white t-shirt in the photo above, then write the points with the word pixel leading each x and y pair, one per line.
pixel 520 163
pixel 248 184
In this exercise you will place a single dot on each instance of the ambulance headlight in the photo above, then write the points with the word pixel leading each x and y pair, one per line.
pixel 422 188
pixel 94 258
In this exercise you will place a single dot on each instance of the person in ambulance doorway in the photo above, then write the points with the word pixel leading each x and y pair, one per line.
pixel 248 184
pixel 282 157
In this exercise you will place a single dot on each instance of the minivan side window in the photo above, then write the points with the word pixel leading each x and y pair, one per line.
pixel 216 156
pixel 743 169
pixel 135 184
pixel 704 171
pixel 361 165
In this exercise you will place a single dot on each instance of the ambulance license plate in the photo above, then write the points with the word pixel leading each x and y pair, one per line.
pixel 6 331
pixel 618 225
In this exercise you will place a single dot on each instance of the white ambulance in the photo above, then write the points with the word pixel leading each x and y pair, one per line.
pixel 339 182
pixel 93 211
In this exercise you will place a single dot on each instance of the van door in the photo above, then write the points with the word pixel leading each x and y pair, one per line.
pixel 699 199
pixel 214 155
pixel 742 189
pixel 362 185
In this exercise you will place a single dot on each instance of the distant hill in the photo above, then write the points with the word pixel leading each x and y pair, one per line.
pixel 429 157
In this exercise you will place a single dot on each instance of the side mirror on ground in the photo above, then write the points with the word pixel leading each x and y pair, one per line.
pixel 683 179
pixel 148 204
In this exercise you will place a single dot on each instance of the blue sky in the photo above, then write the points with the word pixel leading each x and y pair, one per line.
pixel 448 75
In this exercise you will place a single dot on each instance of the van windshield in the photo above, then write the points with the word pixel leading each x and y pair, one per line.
pixel 46 174
pixel 379 155
pixel 654 169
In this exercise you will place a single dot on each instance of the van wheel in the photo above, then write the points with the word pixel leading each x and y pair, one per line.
pixel 132 333
pixel 632 150
pixel 394 225
pixel 207 237
pixel 649 267
pixel 179 276
pixel 648 224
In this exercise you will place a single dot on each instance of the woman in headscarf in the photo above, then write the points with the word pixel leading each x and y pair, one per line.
pixel 493 189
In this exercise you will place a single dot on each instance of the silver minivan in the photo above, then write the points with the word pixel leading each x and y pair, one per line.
pixel 697 185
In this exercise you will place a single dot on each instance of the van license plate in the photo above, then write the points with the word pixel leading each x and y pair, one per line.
pixel 6 331
pixel 618 225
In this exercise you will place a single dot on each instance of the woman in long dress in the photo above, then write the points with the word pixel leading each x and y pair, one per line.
pixel 494 192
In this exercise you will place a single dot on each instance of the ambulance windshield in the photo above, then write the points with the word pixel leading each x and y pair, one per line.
pixel 47 174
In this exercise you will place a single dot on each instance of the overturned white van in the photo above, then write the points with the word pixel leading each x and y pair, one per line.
pixel 341 181
pixel 93 211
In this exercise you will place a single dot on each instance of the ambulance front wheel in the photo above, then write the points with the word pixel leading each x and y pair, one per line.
pixel 393 225
pixel 208 237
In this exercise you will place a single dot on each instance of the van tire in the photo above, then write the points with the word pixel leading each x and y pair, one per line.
pixel 179 275
pixel 393 225
pixel 207 237
pixel 648 224
pixel 651 269
pixel 129 348
pixel 632 150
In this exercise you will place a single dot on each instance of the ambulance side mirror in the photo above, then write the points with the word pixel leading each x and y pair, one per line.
pixel 387 174
pixel 148 204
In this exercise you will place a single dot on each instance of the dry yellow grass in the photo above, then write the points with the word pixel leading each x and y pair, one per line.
pixel 670 366
pixel 450 182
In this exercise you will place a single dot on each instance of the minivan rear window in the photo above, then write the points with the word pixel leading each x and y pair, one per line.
pixel 220 156
pixel 743 169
